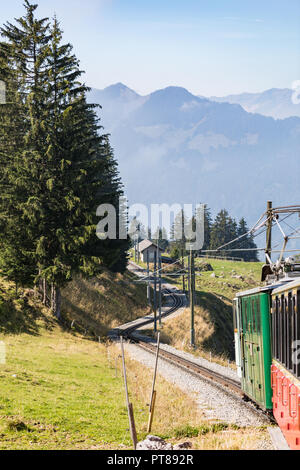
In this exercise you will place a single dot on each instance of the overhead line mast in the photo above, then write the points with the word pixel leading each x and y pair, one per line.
pixel 269 232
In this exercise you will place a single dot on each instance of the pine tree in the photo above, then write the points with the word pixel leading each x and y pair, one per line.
pixel 57 166
pixel 246 242
pixel 207 228
pixel 160 238
pixel 177 234
pixel 22 67
pixel 224 230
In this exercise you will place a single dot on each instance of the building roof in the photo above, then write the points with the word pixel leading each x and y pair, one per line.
pixel 143 245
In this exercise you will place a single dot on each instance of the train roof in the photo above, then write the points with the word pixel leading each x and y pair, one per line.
pixel 260 289
pixel 290 285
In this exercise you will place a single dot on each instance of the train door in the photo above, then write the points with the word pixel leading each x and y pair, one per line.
pixel 257 356
pixel 237 335
pixel 247 349
pixel 252 354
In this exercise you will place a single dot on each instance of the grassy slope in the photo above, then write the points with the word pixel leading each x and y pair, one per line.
pixel 60 390
pixel 213 310
pixel 102 303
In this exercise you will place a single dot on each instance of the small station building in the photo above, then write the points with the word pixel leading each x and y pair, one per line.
pixel 147 250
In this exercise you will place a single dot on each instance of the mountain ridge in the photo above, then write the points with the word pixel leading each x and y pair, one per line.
pixel 275 102
pixel 173 146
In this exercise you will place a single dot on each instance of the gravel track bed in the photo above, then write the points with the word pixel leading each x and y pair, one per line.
pixel 213 402
pixel 226 371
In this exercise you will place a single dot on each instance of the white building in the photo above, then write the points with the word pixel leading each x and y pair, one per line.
pixel 148 249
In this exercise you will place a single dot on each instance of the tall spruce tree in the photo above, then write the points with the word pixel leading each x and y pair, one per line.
pixel 23 57
pixel 224 230
pixel 177 234
pixel 246 242
pixel 160 237
pixel 57 167
pixel 207 226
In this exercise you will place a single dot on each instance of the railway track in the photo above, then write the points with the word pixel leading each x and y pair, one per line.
pixel 190 366
pixel 128 331
pixel 196 369
pixel 229 385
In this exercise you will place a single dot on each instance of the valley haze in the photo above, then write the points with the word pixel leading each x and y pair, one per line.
pixel 175 147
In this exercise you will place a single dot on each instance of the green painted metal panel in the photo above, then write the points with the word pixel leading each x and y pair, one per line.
pixel 265 302
pixel 256 348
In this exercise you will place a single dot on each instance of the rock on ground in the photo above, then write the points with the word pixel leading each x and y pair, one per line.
pixel 156 443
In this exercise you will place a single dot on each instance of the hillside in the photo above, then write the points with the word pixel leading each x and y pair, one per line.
pixel 102 303
pixel 213 311
pixel 203 147
pixel 93 306
pixel 60 390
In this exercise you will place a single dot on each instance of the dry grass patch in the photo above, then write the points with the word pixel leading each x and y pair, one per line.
pixel 176 333
pixel 104 302
pixel 173 408
pixel 177 417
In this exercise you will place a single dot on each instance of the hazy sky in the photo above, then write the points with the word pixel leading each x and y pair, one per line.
pixel 211 47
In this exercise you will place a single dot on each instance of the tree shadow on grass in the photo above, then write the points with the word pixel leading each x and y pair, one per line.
pixel 221 341
pixel 20 315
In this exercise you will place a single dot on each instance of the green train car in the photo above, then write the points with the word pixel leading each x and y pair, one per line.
pixel 253 344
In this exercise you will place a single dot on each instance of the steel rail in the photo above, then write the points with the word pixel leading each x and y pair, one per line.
pixel 225 383
pixel 197 369
pixel 190 366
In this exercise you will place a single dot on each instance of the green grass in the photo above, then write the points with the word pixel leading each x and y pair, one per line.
pixel 57 391
pixel 213 307
pixel 225 284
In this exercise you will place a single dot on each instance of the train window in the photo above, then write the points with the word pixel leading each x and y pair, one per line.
pixel 284 335
pixel 293 329
pixel 277 336
pixel 297 331
pixel 249 316
pixel 253 315
pixel 258 313
pixel 289 338
pixel 274 328
pixel 281 329
pixel 244 315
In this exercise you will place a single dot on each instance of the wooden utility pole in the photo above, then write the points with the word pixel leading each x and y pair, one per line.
pixel 192 295
pixel 154 293
pixel 129 405
pixel 138 237
pixel 183 269
pixel 182 251
pixel 159 285
pixel 269 232
pixel 153 392
pixel 148 277
pixel 189 277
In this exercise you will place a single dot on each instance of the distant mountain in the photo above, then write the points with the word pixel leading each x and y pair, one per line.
pixel 118 101
pixel 173 146
pixel 276 102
